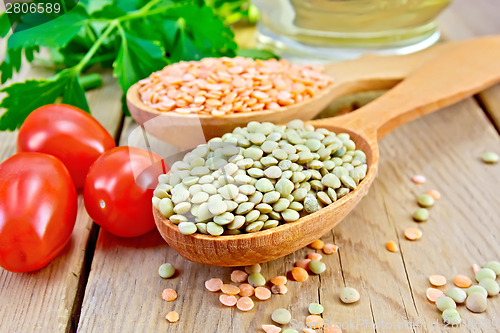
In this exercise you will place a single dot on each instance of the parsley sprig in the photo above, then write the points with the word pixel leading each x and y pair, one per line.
pixel 134 37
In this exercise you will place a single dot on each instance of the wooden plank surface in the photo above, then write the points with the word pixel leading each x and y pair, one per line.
pixel 123 289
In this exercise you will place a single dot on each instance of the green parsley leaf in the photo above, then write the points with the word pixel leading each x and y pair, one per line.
pixel 23 98
pixel 137 58
pixel 55 33
pixel 4 24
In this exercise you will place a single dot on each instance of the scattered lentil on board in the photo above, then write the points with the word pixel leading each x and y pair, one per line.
pixel 166 271
pixel 418 179
pixel 316 308
pixel 490 157
pixel 425 200
pixel 220 86
pixel 317 267
pixel 169 295
pixel 214 284
pixel 281 316
pixel 256 280
pixel 330 248
pixel 434 194
pixel 477 289
pixel 228 300
pixel 317 244
pixel 303 263
pixel 314 256
pixel 476 302
pixel 172 317
pixel 229 289
pixel 484 273
pixel 238 276
pixel 262 293
pixel 494 266
pixel 451 317
pixel 421 215
pixel 490 285
pixel 279 289
pixel 437 280
pixel 445 302
pixel 349 295
pixel 457 294
pixel 245 304
pixel 433 294
pixel 246 290
pixel 279 280
pixel 299 274
pixel 391 246
pixel 413 234
pixel 314 322
pixel 271 329
pixel 462 281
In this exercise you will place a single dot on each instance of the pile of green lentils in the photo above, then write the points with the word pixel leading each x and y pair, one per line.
pixel 259 177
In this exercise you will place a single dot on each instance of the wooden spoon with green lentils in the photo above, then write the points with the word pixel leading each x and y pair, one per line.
pixel 259 177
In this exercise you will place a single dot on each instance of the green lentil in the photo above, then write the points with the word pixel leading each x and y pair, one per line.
pixel 476 302
pixel 254 226
pixel 270 224
pixel 349 295
pixel 490 157
pixel 451 317
pixel 290 215
pixel 281 316
pixel 457 294
pixel 315 308
pixel 290 330
pixel 445 302
pixel 324 198
pixel 490 285
pixel 317 267
pixel 421 215
pixel 166 207
pixel 311 205
pixel 484 273
pixel 256 280
pixel 252 216
pixel 494 266
pixel 477 289
pixel 166 271
pixel 187 228
pixel 256 268
pixel 281 205
pixel 271 197
pixel 176 219
pixel 425 200
pixel 214 229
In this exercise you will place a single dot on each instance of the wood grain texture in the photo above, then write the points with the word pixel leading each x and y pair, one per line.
pixel 47 300
pixel 462 230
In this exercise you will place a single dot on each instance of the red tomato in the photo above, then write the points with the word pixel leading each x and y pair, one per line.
pixel 119 188
pixel 68 133
pixel 38 207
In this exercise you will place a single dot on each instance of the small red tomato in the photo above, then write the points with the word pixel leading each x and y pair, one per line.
pixel 38 207
pixel 68 133
pixel 119 188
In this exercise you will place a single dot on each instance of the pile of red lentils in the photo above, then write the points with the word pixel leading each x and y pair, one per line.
pixel 220 86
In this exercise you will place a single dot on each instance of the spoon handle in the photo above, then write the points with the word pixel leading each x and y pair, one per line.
pixel 459 73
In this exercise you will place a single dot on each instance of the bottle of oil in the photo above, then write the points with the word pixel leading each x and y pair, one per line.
pixel 340 29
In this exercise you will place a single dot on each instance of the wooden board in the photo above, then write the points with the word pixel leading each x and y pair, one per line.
pixel 122 293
